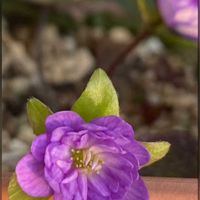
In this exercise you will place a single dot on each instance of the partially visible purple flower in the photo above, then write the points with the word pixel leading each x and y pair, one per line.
pixel 75 160
pixel 181 16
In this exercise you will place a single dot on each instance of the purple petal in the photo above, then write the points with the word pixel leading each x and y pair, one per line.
pixel 63 119
pixel 93 195
pixel 83 142
pixel 69 186
pixel 101 146
pixel 137 191
pixel 65 166
pixel 30 176
pixel 82 184
pixel 58 196
pixel 117 161
pixel 39 146
pixel 96 183
pixel 60 152
pixel 52 181
pixel 108 178
pixel 123 168
pixel 56 173
pixel 77 196
pixel 181 16
pixel 99 135
pixel 139 151
pixel 61 197
pixel 56 151
pixel 124 177
pixel 115 124
pixel 93 127
pixel 104 148
pixel 70 178
pixel 59 132
pixel 47 157
pixel 76 140
pixel 119 194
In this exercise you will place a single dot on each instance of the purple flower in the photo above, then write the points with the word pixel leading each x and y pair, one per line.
pixel 181 16
pixel 75 160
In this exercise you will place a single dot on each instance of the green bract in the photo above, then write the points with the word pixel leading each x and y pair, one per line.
pixel 99 99
pixel 16 193
pixel 37 113
pixel 157 150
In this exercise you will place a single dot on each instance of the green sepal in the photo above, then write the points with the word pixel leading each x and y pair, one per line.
pixel 15 192
pixel 37 113
pixel 157 150
pixel 99 98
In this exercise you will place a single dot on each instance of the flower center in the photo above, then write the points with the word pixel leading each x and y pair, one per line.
pixel 87 160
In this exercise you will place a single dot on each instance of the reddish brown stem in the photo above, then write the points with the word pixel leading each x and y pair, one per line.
pixel 122 56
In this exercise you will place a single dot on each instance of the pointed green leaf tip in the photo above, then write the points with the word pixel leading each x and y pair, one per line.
pixel 157 150
pixel 98 99
pixel 16 193
pixel 37 113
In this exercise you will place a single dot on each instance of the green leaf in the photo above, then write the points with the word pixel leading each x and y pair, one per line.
pixel 98 99
pixel 16 193
pixel 157 150
pixel 37 113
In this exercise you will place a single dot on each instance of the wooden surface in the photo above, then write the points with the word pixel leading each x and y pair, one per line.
pixel 172 188
pixel 159 188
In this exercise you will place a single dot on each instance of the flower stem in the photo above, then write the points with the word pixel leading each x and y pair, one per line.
pixel 145 33
pixel 143 11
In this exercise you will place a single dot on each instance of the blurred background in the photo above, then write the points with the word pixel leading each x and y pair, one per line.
pixel 50 49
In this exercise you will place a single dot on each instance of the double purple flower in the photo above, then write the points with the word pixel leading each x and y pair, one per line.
pixel 181 16
pixel 75 160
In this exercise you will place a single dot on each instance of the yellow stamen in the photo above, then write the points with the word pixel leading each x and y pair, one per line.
pixel 86 160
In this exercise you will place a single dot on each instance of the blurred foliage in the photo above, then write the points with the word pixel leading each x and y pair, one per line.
pixel 107 21
pixel 178 44
pixel 20 12
pixel 29 12
pixel 131 7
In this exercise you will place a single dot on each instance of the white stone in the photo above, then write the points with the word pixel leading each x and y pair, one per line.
pixel 120 35
pixel 25 134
